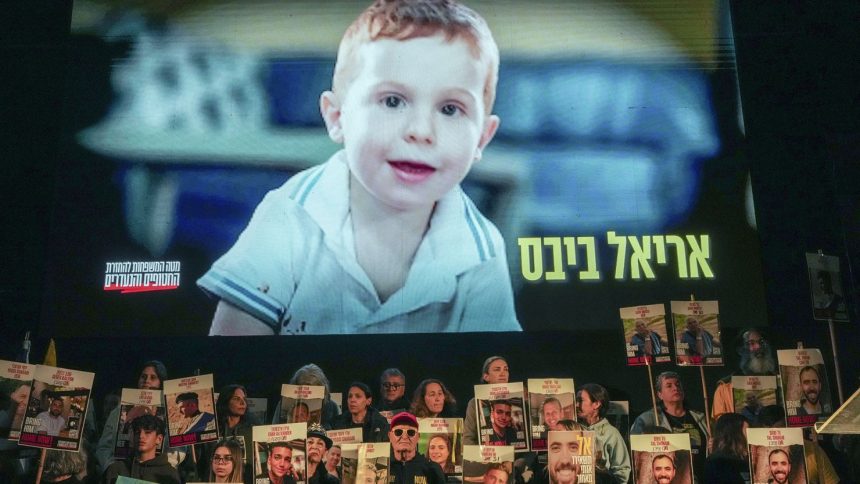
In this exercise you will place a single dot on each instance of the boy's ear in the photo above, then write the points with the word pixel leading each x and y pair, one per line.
pixel 491 124
pixel 330 110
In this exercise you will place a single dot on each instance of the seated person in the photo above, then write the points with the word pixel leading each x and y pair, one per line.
pixel 145 464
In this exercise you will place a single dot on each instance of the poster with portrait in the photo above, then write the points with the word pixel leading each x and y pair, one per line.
pixel 646 337
pixel 776 456
pixel 133 403
pixel 190 405
pixel 550 400
pixel 15 382
pixel 258 408
pixel 488 464
pixel 662 459
pixel 365 463
pixel 570 457
pixel 752 393
pixel 619 416
pixel 806 392
pixel 825 287
pixel 302 403
pixel 696 325
pixel 58 403
pixel 279 450
pixel 501 415
pixel 441 441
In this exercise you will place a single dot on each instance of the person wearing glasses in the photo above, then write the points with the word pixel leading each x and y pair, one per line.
pixel 408 466
pixel 392 387
pixel 234 423
pixel 227 463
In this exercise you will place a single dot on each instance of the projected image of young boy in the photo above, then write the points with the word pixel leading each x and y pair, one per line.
pixel 381 238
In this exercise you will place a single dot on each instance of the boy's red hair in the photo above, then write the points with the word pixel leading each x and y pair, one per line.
pixel 409 19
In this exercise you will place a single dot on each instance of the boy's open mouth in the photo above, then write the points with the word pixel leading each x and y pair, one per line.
pixel 411 171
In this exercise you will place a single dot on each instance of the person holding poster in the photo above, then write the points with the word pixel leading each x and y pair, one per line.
pixel 146 464
pixel 317 444
pixel 151 377
pixel 310 375
pixel 610 451
pixel 359 399
pixel 676 418
pixel 494 370
pixel 408 466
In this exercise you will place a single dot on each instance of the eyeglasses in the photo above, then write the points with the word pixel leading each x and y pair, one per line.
pixel 222 458
pixel 409 432
pixel 393 386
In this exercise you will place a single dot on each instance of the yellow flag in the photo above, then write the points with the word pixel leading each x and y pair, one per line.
pixel 51 354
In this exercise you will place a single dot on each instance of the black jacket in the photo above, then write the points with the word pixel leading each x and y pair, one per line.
pixel 419 466
pixel 374 429
pixel 154 470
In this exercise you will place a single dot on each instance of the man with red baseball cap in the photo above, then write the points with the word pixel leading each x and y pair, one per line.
pixel 407 465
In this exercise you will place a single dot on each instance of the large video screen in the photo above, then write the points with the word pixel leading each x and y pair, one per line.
pixel 219 176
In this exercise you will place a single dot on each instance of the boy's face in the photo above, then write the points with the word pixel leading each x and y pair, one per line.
pixel 412 119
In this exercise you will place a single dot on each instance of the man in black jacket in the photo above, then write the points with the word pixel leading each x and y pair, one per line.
pixel 407 465
pixel 148 431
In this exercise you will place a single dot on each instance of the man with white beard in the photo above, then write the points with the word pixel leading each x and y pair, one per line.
pixel 757 359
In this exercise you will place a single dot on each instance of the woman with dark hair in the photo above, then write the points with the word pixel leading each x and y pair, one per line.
pixel 727 462
pixel 234 423
pixel 494 370
pixel 610 456
pixel 359 400
pixel 440 451
pixel 227 465
pixel 151 377
pixel 433 399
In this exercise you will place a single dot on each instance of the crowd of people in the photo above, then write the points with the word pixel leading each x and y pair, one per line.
pixel 718 457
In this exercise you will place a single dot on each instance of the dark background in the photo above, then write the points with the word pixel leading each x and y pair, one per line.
pixel 800 99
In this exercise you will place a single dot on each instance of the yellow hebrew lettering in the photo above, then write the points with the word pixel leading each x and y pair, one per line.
pixel 621 257
pixel 639 258
pixel 531 258
pixel 590 273
pixel 700 252
pixel 557 272
pixel 680 253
